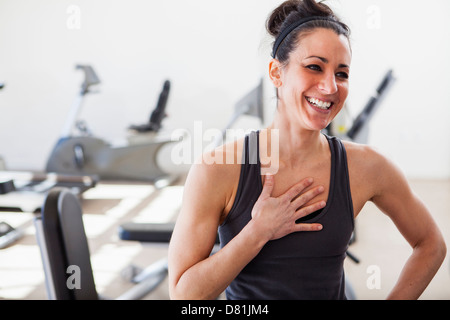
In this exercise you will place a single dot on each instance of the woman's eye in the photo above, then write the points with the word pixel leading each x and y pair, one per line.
pixel 342 75
pixel 314 67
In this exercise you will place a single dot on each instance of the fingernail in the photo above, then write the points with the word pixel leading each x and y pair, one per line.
pixel 319 227
pixel 310 180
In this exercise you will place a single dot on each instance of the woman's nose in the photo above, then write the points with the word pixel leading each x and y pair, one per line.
pixel 328 84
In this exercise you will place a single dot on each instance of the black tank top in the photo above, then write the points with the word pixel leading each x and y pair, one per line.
pixel 301 265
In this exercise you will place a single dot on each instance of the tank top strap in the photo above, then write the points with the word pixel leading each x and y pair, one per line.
pixel 341 178
pixel 249 187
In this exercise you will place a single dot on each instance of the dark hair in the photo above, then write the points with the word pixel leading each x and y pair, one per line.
pixel 291 11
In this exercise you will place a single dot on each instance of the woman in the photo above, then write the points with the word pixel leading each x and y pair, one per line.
pixel 284 234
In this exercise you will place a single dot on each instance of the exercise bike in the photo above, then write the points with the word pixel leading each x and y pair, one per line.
pixel 84 154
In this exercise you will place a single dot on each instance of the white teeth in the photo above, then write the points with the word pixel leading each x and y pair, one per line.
pixel 319 103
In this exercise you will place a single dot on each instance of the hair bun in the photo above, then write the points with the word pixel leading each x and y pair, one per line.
pixel 279 15
pixel 292 17
pixel 291 10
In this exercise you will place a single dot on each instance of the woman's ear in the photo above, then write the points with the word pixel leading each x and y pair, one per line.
pixel 275 72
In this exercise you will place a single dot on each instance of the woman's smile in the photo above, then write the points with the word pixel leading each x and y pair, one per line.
pixel 320 105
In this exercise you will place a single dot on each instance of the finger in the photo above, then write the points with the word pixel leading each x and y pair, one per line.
pixel 307 196
pixel 309 209
pixel 308 227
pixel 297 189
pixel 268 186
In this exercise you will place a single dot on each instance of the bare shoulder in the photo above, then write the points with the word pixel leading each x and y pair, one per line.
pixel 371 173
pixel 365 159
pixel 361 151
pixel 213 178
pixel 219 165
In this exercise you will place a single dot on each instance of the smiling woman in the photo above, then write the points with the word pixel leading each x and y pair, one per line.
pixel 316 77
pixel 284 235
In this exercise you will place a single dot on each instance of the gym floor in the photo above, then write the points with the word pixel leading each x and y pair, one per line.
pixel 382 251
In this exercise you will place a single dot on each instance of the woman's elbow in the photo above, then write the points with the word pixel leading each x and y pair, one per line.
pixel 179 290
pixel 178 293
pixel 437 248
pixel 442 249
pixel 174 294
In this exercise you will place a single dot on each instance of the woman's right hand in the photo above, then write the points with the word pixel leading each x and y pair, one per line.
pixel 275 217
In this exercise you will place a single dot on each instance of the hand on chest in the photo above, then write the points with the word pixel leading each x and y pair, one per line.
pixel 287 177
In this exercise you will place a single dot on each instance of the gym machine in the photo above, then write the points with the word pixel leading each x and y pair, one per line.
pixel 65 252
pixel 25 190
pixel 83 154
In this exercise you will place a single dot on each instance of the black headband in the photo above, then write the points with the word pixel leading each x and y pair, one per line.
pixel 291 27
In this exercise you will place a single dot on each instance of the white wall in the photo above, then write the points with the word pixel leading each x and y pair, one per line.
pixel 213 52
pixel 412 37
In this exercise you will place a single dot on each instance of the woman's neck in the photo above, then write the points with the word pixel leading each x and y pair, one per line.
pixel 296 143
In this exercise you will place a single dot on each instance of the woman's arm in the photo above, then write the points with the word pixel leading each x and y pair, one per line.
pixel 394 197
pixel 193 273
